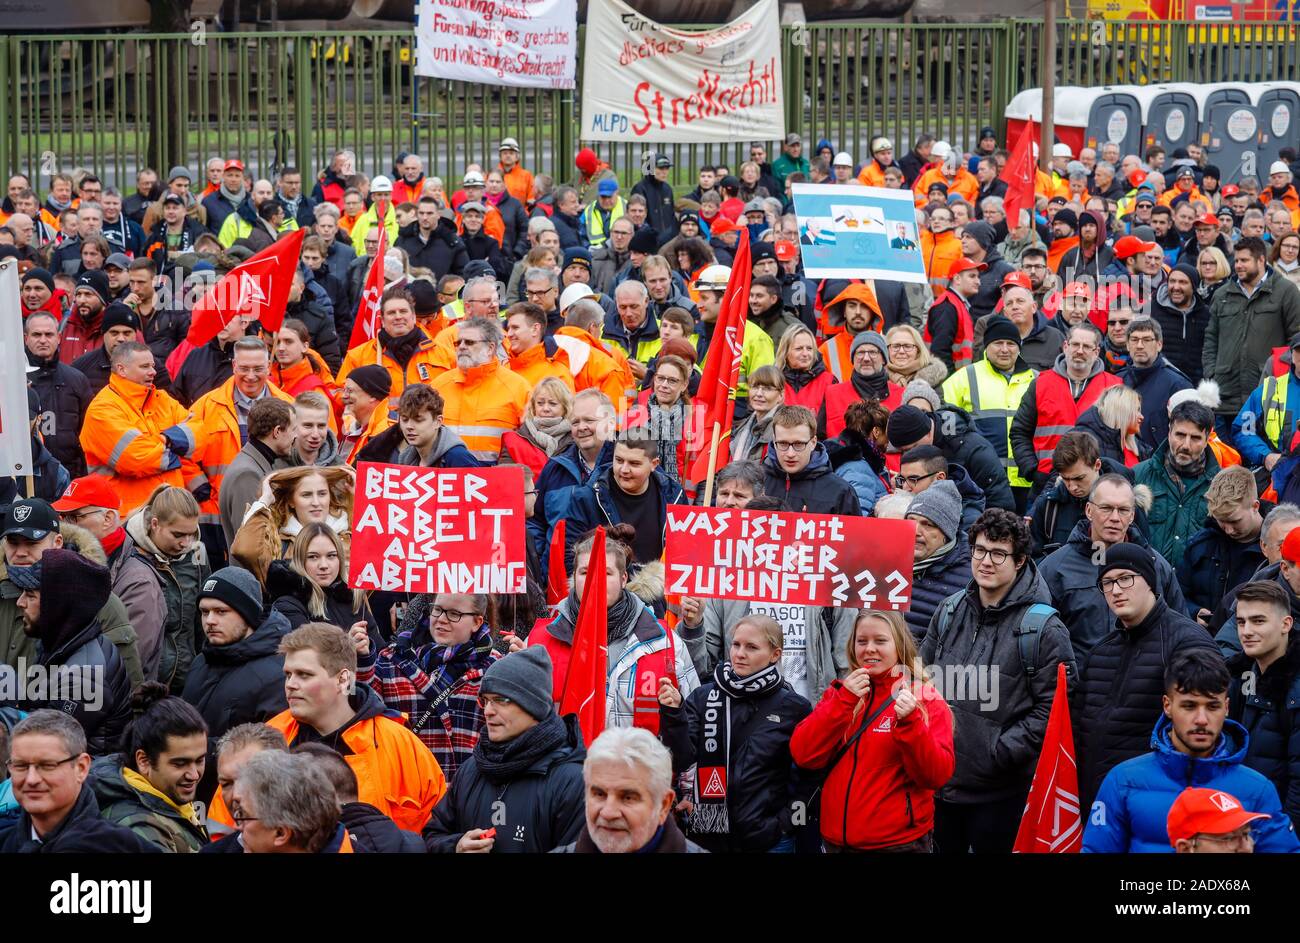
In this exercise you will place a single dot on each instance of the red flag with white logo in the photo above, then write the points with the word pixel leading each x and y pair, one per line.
pixel 584 685
pixel 1052 823
pixel 257 288
pixel 366 324
pixel 1019 175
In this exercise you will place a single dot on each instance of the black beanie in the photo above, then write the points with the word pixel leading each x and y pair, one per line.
pixel 425 294
pixel 644 240
pixel 373 379
pixel 119 315
pixel 1190 272
pixel 1069 217
pixel 239 590
pixel 907 426
pixel 42 276
pixel 1127 556
pixel 1000 328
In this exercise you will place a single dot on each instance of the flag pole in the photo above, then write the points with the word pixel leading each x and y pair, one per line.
pixel 713 462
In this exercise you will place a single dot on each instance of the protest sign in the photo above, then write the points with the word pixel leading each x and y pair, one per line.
pixel 643 81
pixel 858 232
pixel 789 558
pixel 529 43
pixel 15 434
pixel 438 530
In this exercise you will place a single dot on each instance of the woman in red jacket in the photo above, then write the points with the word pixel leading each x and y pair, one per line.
pixel 806 376
pixel 880 782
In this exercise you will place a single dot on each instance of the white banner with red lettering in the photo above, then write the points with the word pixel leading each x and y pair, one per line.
pixel 643 81
pixel 529 43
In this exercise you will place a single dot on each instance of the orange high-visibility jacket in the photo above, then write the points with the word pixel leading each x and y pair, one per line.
pixel 939 253
pixel 379 422
pixel 481 404
pixel 964 183
pixel 421 368
pixel 122 437
pixel 547 359
pixel 606 368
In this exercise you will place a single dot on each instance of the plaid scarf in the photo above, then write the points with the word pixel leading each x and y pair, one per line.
pixel 711 772
pixel 447 664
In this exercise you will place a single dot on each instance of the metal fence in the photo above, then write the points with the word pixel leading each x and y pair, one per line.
pixel 117 103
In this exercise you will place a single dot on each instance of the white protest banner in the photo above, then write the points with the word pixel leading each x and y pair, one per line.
pixel 858 232
pixel 529 43
pixel 643 81
pixel 15 434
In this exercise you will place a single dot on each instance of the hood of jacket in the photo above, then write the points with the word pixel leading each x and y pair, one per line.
pixel 1028 589
pixel 818 465
pixel 1164 301
pixel 139 534
pixel 1060 367
pixel 1080 539
pixel 1230 751
pixel 66 615
pixel 854 292
pixel 260 643
pixel 329 451
pixel 966 486
pixel 960 425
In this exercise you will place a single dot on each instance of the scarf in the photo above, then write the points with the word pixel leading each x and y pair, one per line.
pixel 403 348
pixel 801 378
pixel 1179 472
pixel 875 386
pixel 59 206
pixel 234 196
pixel 667 424
pixel 447 664
pixel 754 430
pixel 902 375
pixel 547 434
pixel 501 762
pixel 919 568
pixel 712 764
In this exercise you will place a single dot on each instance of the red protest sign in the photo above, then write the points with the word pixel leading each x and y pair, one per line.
pixel 784 557
pixel 438 530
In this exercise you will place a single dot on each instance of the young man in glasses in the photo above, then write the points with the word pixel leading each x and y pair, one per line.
pixel 1194 743
pixel 1122 679
pixel 926 465
pixel 797 468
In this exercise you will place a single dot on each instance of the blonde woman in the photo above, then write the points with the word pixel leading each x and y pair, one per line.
pixel 909 358
pixel 1114 422
pixel 804 369
pixel 545 429
pixel 291 499
pixel 311 583
pixel 1213 268
pixel 884 736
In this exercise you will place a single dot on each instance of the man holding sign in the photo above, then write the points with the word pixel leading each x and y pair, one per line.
pixel 798 467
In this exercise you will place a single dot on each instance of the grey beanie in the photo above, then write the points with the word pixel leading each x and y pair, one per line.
pixel 238 589
pixel 940 504
pixel 869 337
pixel 981 232
pixel 919 389
pixel 524 677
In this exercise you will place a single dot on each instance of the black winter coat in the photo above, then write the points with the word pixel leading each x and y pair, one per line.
pixel 1183 331
pixel 763 783
pixel 661 213
pixel 955 435
pixel 1270 712
pixel 64 395
pixel 442 254
pixel 482 246
pixel 165 329
pixel 1213 563
pixel 568 228
pixel 205 368
pixel 290 594
pixel 973 502
pixel 336 290
pixel 1056 512
pixel 82 832
pixel 515 242
pixel 930 587
pixel 990 293
pixel 239 683
pixel 320 323
pixel 544 806
pixel 89 649
pixel 1155 384
pixel 1108 441
pixel 1119 692
pixel 815 489
pixel 372 832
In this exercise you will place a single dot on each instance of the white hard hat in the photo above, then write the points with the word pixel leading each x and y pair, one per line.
pixel 1062 150
pixel 843 159
pixel 576 292
pixel 381 184
pixel 714 278
pixel 940 150
pixel 881 144
pixel 1279 167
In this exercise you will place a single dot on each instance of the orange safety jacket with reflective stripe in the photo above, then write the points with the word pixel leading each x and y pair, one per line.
pixel 962 349
pixel 964 183
pixel 605 368
pixel 831 319
pixel 395 771
pixel 421 368
pixel 481 404
pixel 122 437
pixel 939 253
pixel 1194 195
pixel 219 442
pixel 1059 411
pixel 379 422
pixel 547 359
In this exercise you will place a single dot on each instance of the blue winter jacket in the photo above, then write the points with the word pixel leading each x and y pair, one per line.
pixel 1132 808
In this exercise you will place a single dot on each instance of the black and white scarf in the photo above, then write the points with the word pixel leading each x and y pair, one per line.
pixel 714 756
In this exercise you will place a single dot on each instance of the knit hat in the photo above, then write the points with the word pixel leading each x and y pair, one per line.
pixel 1211 171
pixel 762 250
pixel 373 380
pixel 119 315
pixel 586 161
pixel 524 677
pixel 981 232
pixel 41 275
pixel 425 294
pixel 577 255
pixel 1001 329
pixel 1190 272
pixel 476 268
pixel 907 426
pixel 869 337
pixel 238 589
pixel 97 282
pixel 178 172
pixel 1127 556
pixel 919 389
pixel 1069 217
pixel 940 504
pixel 644 240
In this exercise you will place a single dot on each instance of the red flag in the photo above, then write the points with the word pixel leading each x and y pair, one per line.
pixel 1019 175
pixel 722 366
pixel 1052 823
pixel 258 288
pixel 366 324
pixel 557 581
pixel 584 686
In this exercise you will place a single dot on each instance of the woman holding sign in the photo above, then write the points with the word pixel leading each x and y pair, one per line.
pixel 291 499
pixel 746 788
pixel 884 737
pixel 311 584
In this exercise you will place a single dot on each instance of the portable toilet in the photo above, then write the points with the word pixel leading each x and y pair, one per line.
pixel 1278 105
pixel 1084 117
pixel 1170 117
pixel 1229 129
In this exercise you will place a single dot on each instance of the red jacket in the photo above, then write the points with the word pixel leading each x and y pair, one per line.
pixel 80 337
pixel 881 792
pixel 813 395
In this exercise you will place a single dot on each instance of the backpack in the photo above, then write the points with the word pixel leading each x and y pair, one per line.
pixel 1028 636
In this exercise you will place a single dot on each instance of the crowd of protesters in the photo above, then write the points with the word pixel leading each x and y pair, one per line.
pixel 1087 413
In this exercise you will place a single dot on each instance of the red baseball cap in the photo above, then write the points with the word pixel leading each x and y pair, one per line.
pixel 1230 189
pixel 1291 546
pixel 1078 290
pixel 1130 246
pixel 965 265
pixel 233 164
pixel 1137 178
pixel 1209 219
pixel 92 491
pixel 733 208
pixel 786 251
pixel 720 224
pixel 1017 280
pixel 1207 812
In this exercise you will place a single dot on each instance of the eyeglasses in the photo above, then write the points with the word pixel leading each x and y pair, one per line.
pixel 998 557
pixel 1114 323
pixel 496 700
pixel 466 342
pixel 1123 582
pixel 903 347
pixel 45 767
pixel 1244 838
pixel 1110 510
pixel 538 292
pixel 791 446
pixel 453 615
pixel 911 481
